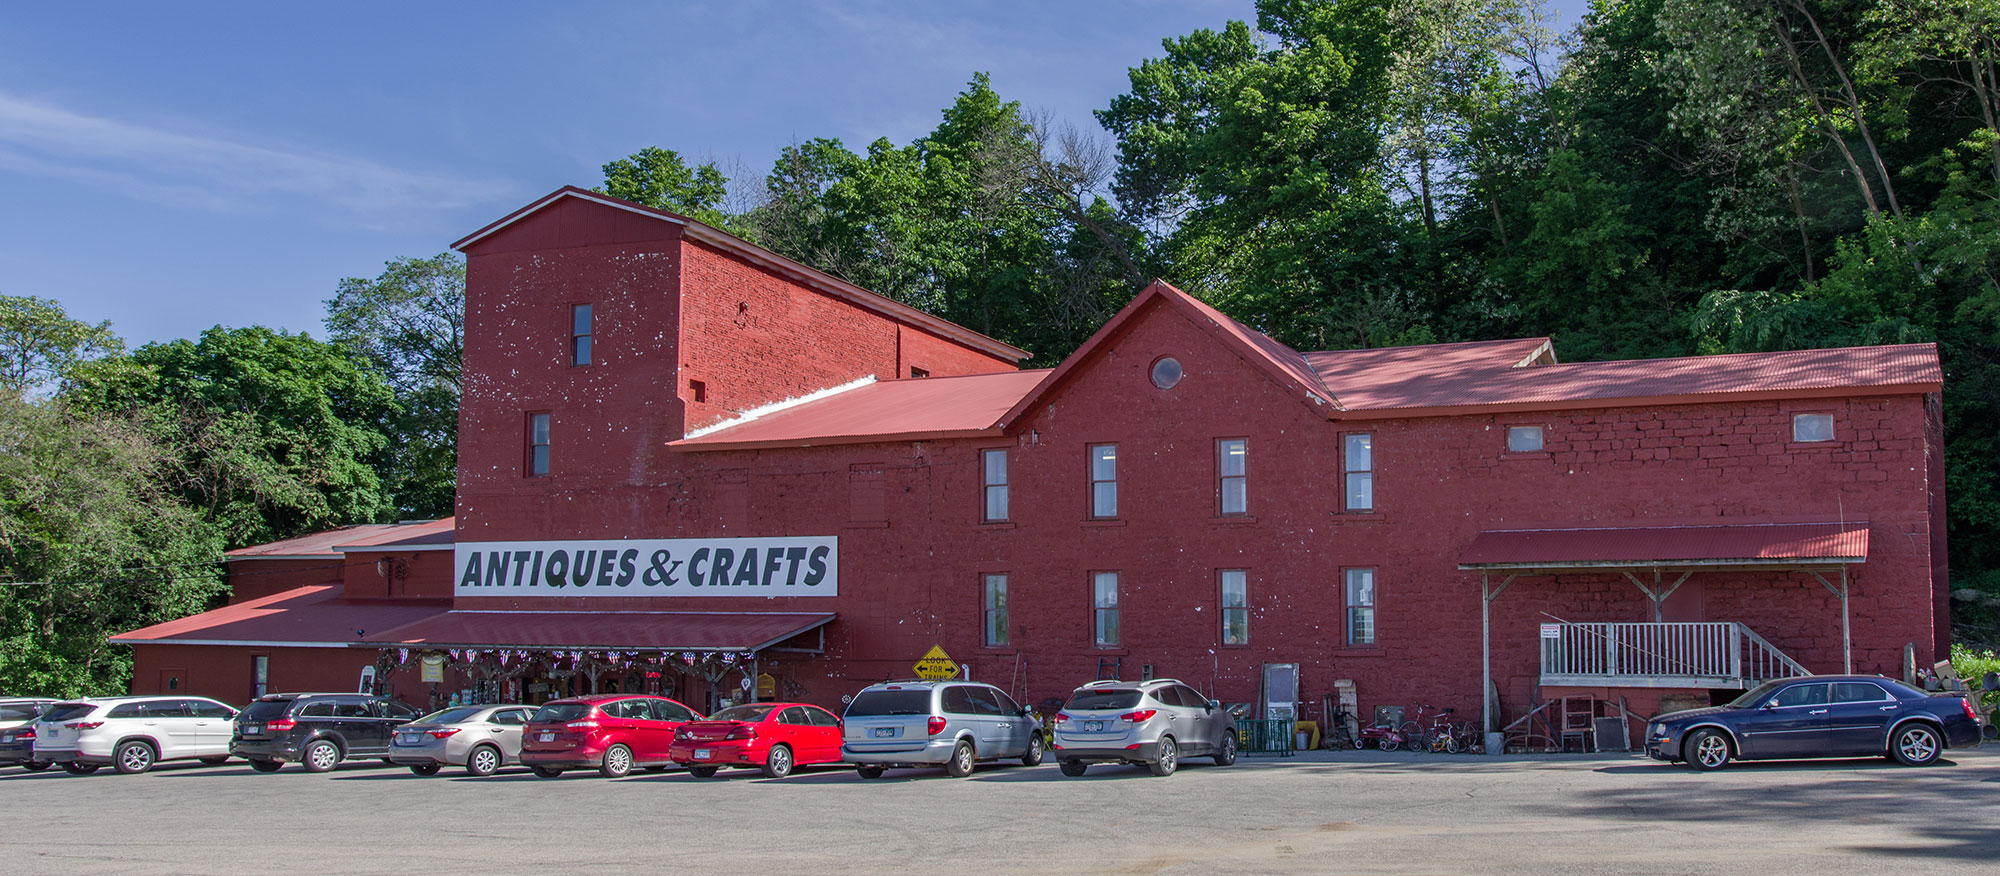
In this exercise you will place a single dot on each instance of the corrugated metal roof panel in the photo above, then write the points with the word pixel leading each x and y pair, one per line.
pixel 617 630
pixel 303 616
pixel 885 410
pixel 1610 547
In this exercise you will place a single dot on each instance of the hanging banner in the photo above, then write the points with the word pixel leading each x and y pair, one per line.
pixel 801 566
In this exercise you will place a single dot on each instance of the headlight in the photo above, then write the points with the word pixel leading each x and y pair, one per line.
pixel 1657 731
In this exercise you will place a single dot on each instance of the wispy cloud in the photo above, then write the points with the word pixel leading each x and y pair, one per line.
pixel 216 172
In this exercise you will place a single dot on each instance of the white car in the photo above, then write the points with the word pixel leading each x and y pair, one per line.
pixel 132 733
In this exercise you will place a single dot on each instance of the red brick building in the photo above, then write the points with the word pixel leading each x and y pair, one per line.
pixel 686 463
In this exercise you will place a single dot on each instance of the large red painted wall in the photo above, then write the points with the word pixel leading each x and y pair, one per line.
pixel 224 672
pixel 398 575
pixel 255 579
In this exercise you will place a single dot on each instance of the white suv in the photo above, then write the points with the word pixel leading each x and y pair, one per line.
pixel 132 733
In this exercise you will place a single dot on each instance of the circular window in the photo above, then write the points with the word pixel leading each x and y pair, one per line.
pixel 1166 372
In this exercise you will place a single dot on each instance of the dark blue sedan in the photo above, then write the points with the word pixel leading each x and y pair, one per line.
pixel 1818 716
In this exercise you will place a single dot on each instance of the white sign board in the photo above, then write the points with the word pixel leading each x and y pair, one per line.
pixel 801 566
pixel 1552 631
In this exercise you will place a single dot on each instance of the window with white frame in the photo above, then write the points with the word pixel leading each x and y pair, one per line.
pixel 1235 607
pixel 1357 463
pixel 1524 439
pixel 1104 480
pixel 1812 427
pixel 1104 608
pixel 1360 606
pixel 993 467
pixel 995 600
pixel 1231 462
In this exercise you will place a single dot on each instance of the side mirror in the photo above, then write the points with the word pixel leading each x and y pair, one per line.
pixel 1027 712
pixel 1769 705
pixel 1212 705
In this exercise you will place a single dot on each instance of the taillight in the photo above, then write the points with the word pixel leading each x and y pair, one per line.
pixel 1062 717
pixel 741 731
pixel 581 725
pixel 936 725
pixel 87 725
pixel 1967 703
pixel 1138 716
pixel 442 732
pixel 24 735
pixel 280 724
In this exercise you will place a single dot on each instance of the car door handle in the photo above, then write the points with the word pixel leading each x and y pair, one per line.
pixel 1816 712
pixel 1888 708
pixel 499 730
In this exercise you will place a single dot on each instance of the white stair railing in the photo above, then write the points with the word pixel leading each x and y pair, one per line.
pixel 1708 651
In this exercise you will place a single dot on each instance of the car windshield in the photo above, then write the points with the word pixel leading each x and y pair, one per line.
pixel 557 713
pixel 1757 696
pixel 746 714
pixel 451 716
pixel 913 701
pixel 1121 698
pixel 67 712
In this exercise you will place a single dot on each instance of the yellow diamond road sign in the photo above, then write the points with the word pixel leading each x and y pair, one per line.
pixel 936 664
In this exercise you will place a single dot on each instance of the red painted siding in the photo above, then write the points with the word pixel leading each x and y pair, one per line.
pixel 255 579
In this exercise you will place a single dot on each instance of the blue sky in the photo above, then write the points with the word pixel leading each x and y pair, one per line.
pixel 170 167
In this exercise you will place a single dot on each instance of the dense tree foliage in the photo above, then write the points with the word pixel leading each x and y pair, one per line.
pixel 409 323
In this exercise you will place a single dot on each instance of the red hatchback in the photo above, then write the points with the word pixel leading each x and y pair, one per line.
pixel 771 736
pixel 610 733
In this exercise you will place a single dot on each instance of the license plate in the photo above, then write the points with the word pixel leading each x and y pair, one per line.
pixel 885 731
pixel 1093 726
pixel 701 754
pixel 406 739
pixel 548 737
pixel 249 729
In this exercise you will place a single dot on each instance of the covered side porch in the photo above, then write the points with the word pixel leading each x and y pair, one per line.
pixel 1657 561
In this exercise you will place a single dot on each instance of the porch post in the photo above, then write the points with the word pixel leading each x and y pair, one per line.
pixel 1485 652
pixel 1846 638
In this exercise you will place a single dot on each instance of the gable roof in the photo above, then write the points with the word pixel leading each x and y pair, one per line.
pixel 764 258
pixel 919 409
pixel 1276 361
pixel 302 617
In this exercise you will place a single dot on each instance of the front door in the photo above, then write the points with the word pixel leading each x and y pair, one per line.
pixel 1793 723
pixel 211 727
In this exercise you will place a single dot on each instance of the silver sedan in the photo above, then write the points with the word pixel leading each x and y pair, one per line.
pixel 480 738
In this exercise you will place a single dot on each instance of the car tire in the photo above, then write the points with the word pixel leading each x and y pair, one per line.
pixel 1226 754
pixel 216 761
pixel 1073 768
pixel 424 769
pixel 705 772
pixel 962 760
pixel 617 762
pixel 869 772
pixel 35 766
pixel 79 769
pixel 1036 750
pixel 320 755
pixel 546 772
pixel 1916 744
pixel 265 766
pixel 134 757
pixel 484 760
pixel 1166 757
pixel 778 762
pixel 1708 750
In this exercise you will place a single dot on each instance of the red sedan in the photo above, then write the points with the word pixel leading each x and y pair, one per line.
pixel 611 733
pixel 771 736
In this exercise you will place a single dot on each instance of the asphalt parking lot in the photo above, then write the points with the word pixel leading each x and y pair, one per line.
pixel 1322 812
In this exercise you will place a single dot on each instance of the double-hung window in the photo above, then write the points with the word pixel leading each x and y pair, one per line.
pixel 1357 463
pixel 1231 456
pixel 1360 606
pixel 995 600
pixel 538 445
pixel 1104 480
pixel 1235 607
pixel 1104 608
pixel 993 467
pixel 579 334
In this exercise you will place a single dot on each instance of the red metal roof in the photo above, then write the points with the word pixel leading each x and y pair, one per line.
pixel 617 630
pixel 1486 374
pixel 431 534
pixel 1638 546
pixel 315 546
pixel 301 617
pixel 918 409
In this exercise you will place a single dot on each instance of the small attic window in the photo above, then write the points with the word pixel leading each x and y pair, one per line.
pixel 1524 439
pixel 1812 427
pixel 1166 372
pixel 699 390
pixel 916 372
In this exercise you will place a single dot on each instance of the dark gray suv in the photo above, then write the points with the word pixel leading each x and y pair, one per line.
pixel 1151 723
pixel 319 730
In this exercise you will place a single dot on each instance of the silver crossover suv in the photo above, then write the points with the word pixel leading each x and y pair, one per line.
pixel 1155 723
pixel 480 738
pixel 932 723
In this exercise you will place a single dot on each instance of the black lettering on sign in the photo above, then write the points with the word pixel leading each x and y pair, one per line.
pixel 816 567
pixel 772 559
pixel 581 568
pixel 535 577
pixel 718 575
pixel 521 559
pixel 792 558
pixel 496 569
pixel 471 576
pixel 606 572
pixel 697 575
pixel 656 574
pixel 558 568
pixel 628 567
pixel 746 571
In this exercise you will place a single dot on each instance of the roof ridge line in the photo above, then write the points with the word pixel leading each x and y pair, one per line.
pixel 1683 526
pixel 760 412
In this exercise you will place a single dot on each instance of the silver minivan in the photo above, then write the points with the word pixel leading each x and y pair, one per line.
pixel 1152 723
pixel 955 724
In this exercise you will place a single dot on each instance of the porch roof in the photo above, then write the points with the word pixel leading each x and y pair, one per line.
pixel 594 630
pixel 1792 545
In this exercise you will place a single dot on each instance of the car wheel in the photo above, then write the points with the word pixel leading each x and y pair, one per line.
pixel 79 769
pixel 778 763
pixel 704 772
pixel 216 761
pixel 320 755
pixel 1166 759
pixel 1073 768
pixel 36 766
pixel 961 761
pixel 867 772
pixel 617 762
pixel 134 757
pixel 1033 757
pixel 483 761
pixel 1227 754
pixel 424 769
pixel 546 772
pixel 1708 750
pixel 1916 745
pixel 265 766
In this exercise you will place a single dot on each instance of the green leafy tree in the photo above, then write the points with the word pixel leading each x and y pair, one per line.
pixel 409 323
pixel 39 343
pixel 660 178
